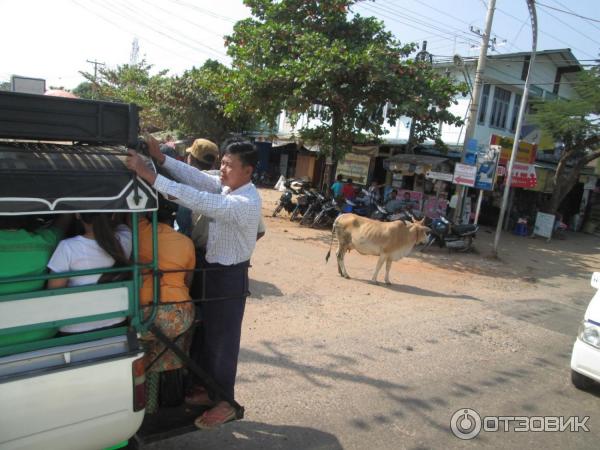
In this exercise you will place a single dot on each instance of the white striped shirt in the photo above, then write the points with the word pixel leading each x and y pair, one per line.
pixel 235 214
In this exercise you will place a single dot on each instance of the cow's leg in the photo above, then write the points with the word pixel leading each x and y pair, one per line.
pixel 341 252
pixel 380 261
pixel 339 259
pixel 388 266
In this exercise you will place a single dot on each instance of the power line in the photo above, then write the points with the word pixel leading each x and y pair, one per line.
pixel 568 9
pixel 191 22
pixel 204 11
pixel 544 33
pixel 135 16
pixel 467 39
pixel 405 12
pixel 146 39
pixel 389 10
pixel 408 23
pixel 571 27
pixel 568 12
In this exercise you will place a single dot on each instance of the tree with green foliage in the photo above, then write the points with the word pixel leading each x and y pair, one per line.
pixel 575 125
pixel 344 71
pixel 132 83
pixel 85 89
pixel 192 103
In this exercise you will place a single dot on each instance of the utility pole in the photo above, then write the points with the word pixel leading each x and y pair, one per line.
pixel 478 84
pixel 522 108
pixel 96 64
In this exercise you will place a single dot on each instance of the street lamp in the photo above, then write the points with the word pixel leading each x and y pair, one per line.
pixel 533 16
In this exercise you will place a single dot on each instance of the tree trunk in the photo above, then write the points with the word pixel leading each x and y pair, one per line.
pixel 564 180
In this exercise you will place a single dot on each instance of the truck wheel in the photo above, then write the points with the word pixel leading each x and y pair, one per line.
pixel 581 381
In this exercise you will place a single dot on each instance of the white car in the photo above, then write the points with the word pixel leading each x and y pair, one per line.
pixel 585 361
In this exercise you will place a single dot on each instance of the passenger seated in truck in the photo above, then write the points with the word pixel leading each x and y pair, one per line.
pixel 26 247
pixel 102 245
pixel 175 315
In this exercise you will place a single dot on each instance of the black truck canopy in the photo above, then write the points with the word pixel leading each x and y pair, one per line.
pixel 48 178
pixel 80 163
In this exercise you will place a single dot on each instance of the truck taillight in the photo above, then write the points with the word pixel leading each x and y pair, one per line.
pixel 139 384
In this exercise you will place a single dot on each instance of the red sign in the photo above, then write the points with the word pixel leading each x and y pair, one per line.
pixel 523 175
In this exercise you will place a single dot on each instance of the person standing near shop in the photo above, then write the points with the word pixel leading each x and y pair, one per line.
pixel 234 205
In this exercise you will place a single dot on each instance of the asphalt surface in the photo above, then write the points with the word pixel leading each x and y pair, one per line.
pixel 329 363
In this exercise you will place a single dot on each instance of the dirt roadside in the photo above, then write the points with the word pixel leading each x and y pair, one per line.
pixel 330 363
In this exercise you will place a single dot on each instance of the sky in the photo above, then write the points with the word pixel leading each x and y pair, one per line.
pixel 54 39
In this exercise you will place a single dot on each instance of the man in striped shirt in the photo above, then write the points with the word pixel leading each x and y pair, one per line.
pixel 233 204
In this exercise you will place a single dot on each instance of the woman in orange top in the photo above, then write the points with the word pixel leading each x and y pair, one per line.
pixel 175 252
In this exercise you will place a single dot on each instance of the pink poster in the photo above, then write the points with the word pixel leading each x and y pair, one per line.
pixel 433 207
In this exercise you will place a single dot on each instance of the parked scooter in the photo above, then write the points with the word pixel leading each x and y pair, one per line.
pixel 453 237
pixel 286 200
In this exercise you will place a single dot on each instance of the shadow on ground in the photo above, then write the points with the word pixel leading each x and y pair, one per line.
pixel 250 435
pixel 260 289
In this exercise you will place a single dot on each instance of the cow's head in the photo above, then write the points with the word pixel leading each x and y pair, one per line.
pixel 422 232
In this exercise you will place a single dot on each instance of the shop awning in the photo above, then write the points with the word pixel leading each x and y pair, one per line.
pixel 398 162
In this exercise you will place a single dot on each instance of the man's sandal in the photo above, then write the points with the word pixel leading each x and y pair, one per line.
pixel 215 417
pixel 199 398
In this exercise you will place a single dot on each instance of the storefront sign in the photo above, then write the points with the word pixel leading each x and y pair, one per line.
pixel 354 166
pixel 439 176
pixel 487 163
pixel 464 174
pixel 523 175
pixel 525 154
pixel 544 225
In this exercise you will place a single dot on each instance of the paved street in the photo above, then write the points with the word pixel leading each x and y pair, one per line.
pixel 329 363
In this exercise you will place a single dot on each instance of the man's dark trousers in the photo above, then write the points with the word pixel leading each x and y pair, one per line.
pixel 222 314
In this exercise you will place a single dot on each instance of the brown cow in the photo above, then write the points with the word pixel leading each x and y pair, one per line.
pixel 388 240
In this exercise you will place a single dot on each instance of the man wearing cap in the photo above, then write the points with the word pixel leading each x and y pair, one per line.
pixel 203 155
pixel 233 204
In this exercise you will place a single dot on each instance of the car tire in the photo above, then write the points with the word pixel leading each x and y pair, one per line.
pixel 581 381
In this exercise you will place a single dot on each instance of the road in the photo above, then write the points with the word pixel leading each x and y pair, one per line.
pixel 330 363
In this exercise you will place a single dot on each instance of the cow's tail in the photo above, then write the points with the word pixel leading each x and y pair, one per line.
pixel 331 243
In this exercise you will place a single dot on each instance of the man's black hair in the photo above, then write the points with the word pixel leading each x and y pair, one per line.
pixel 340 177
pixel 244 150
pixel 349 180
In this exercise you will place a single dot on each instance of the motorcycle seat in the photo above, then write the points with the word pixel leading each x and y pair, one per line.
pixel 465 228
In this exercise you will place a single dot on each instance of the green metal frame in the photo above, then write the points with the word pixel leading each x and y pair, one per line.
pixel 134 312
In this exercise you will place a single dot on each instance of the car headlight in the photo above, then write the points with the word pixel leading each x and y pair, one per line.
pixel 589 333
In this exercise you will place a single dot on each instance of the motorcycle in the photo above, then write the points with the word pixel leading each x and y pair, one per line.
pixel 453 237
pixel 313 209
pixel 303 202
pixel 381 213
pixel 327 215
pixel 286 200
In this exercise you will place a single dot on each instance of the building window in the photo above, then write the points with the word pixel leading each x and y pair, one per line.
pixel 500 108
pixel 515 112
pixel 485 94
